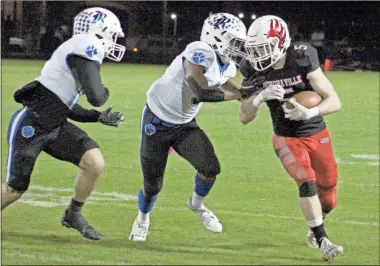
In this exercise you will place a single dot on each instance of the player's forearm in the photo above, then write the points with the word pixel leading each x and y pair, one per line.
pixel 231 90
pixel 202 94
pixel 248 111
pixel 80 114
pixel 329 105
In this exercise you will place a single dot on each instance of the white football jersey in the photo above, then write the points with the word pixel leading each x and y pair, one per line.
pixel 170 99
pixel 56 74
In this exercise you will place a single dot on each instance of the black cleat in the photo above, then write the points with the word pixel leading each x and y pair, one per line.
pixel 78 222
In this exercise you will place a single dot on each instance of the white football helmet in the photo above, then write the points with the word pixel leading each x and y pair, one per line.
pixel 226 34
pixel 105 25
pixel 267 41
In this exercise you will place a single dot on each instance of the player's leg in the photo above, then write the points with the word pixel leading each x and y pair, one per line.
pixel 154 148
pixel 194 146
pixel 25 144
pixel 294 157
pixel 74 145
pixel 326 173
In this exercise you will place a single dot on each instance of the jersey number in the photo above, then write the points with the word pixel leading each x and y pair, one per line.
pixel 300 47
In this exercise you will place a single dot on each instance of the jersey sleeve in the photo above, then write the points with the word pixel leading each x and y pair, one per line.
pixel 246 68
pixel 200 53
pixel 89 48
pixel 307 57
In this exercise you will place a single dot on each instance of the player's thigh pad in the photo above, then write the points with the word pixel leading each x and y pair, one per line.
pixel 70 144
pixel 26 141
pixel 294 157
pixel 154 149
pixel 195 147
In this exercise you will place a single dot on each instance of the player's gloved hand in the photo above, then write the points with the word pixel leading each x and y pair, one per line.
pixel 109 118
pixel 299 112
pixel 250 86
pixel 272 92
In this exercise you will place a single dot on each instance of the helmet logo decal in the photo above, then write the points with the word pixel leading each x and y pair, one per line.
pixel 99 16
pixel 223 22
pixel 277 30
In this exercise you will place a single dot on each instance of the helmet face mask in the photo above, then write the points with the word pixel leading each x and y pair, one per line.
pixel 267 41
pixel 103 24
pixel 226 34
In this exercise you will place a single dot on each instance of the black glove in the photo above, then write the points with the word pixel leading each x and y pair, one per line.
pixel 110 118
pixel 251 85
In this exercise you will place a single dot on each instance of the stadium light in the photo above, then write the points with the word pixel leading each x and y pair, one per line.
pixel 253 17
pixel 173 16
pixel 241 15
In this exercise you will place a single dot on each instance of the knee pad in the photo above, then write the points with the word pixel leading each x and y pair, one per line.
pixel 152 186
pixel 19 185
pixel 210 170
pixel 308 189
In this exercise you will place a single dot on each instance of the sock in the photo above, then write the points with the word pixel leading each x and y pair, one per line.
pixel 318 229
pixel 196 200
pixel 143 217
pixel 75 206
pixel 203 187
pixel 145 205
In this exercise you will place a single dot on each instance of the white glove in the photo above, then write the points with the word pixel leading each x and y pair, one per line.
pixel 299 112
pixel 272 92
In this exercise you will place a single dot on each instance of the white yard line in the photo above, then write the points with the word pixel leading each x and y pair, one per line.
pixel 366 156
pixel 53 200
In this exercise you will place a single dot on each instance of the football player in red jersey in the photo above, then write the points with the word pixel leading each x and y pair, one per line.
pixel 301 140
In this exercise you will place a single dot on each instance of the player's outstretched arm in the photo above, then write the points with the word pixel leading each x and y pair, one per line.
pixel 197 82
pixel 320 84
pixel 86 73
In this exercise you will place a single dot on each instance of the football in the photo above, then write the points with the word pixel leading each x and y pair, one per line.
pixel 308 99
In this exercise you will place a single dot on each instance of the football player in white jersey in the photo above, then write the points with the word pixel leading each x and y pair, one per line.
pixel 202 73
pixel 41 125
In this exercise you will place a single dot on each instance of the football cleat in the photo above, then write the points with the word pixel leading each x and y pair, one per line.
pixel 209 219
pixel 329 250
pixel 139 231
pixel 78 222
pixel 310 238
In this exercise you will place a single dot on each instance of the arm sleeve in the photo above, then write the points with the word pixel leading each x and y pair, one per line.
pixel 80 114
pixel 200 53
pixel 204 95
pixel 86 73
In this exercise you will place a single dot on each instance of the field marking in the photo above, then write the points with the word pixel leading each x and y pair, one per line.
pixel 375 224
pixel 63 200
pixel 368 163
pixel 78 260
pixel 366 156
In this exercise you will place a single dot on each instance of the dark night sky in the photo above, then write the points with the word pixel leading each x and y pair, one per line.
pixel 341 18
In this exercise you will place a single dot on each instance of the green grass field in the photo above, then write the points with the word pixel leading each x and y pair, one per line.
pixel 253 197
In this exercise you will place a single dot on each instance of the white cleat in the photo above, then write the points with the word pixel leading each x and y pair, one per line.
pixel 310 238
pixel 209 219
pixel 139 231
pixel 329 250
